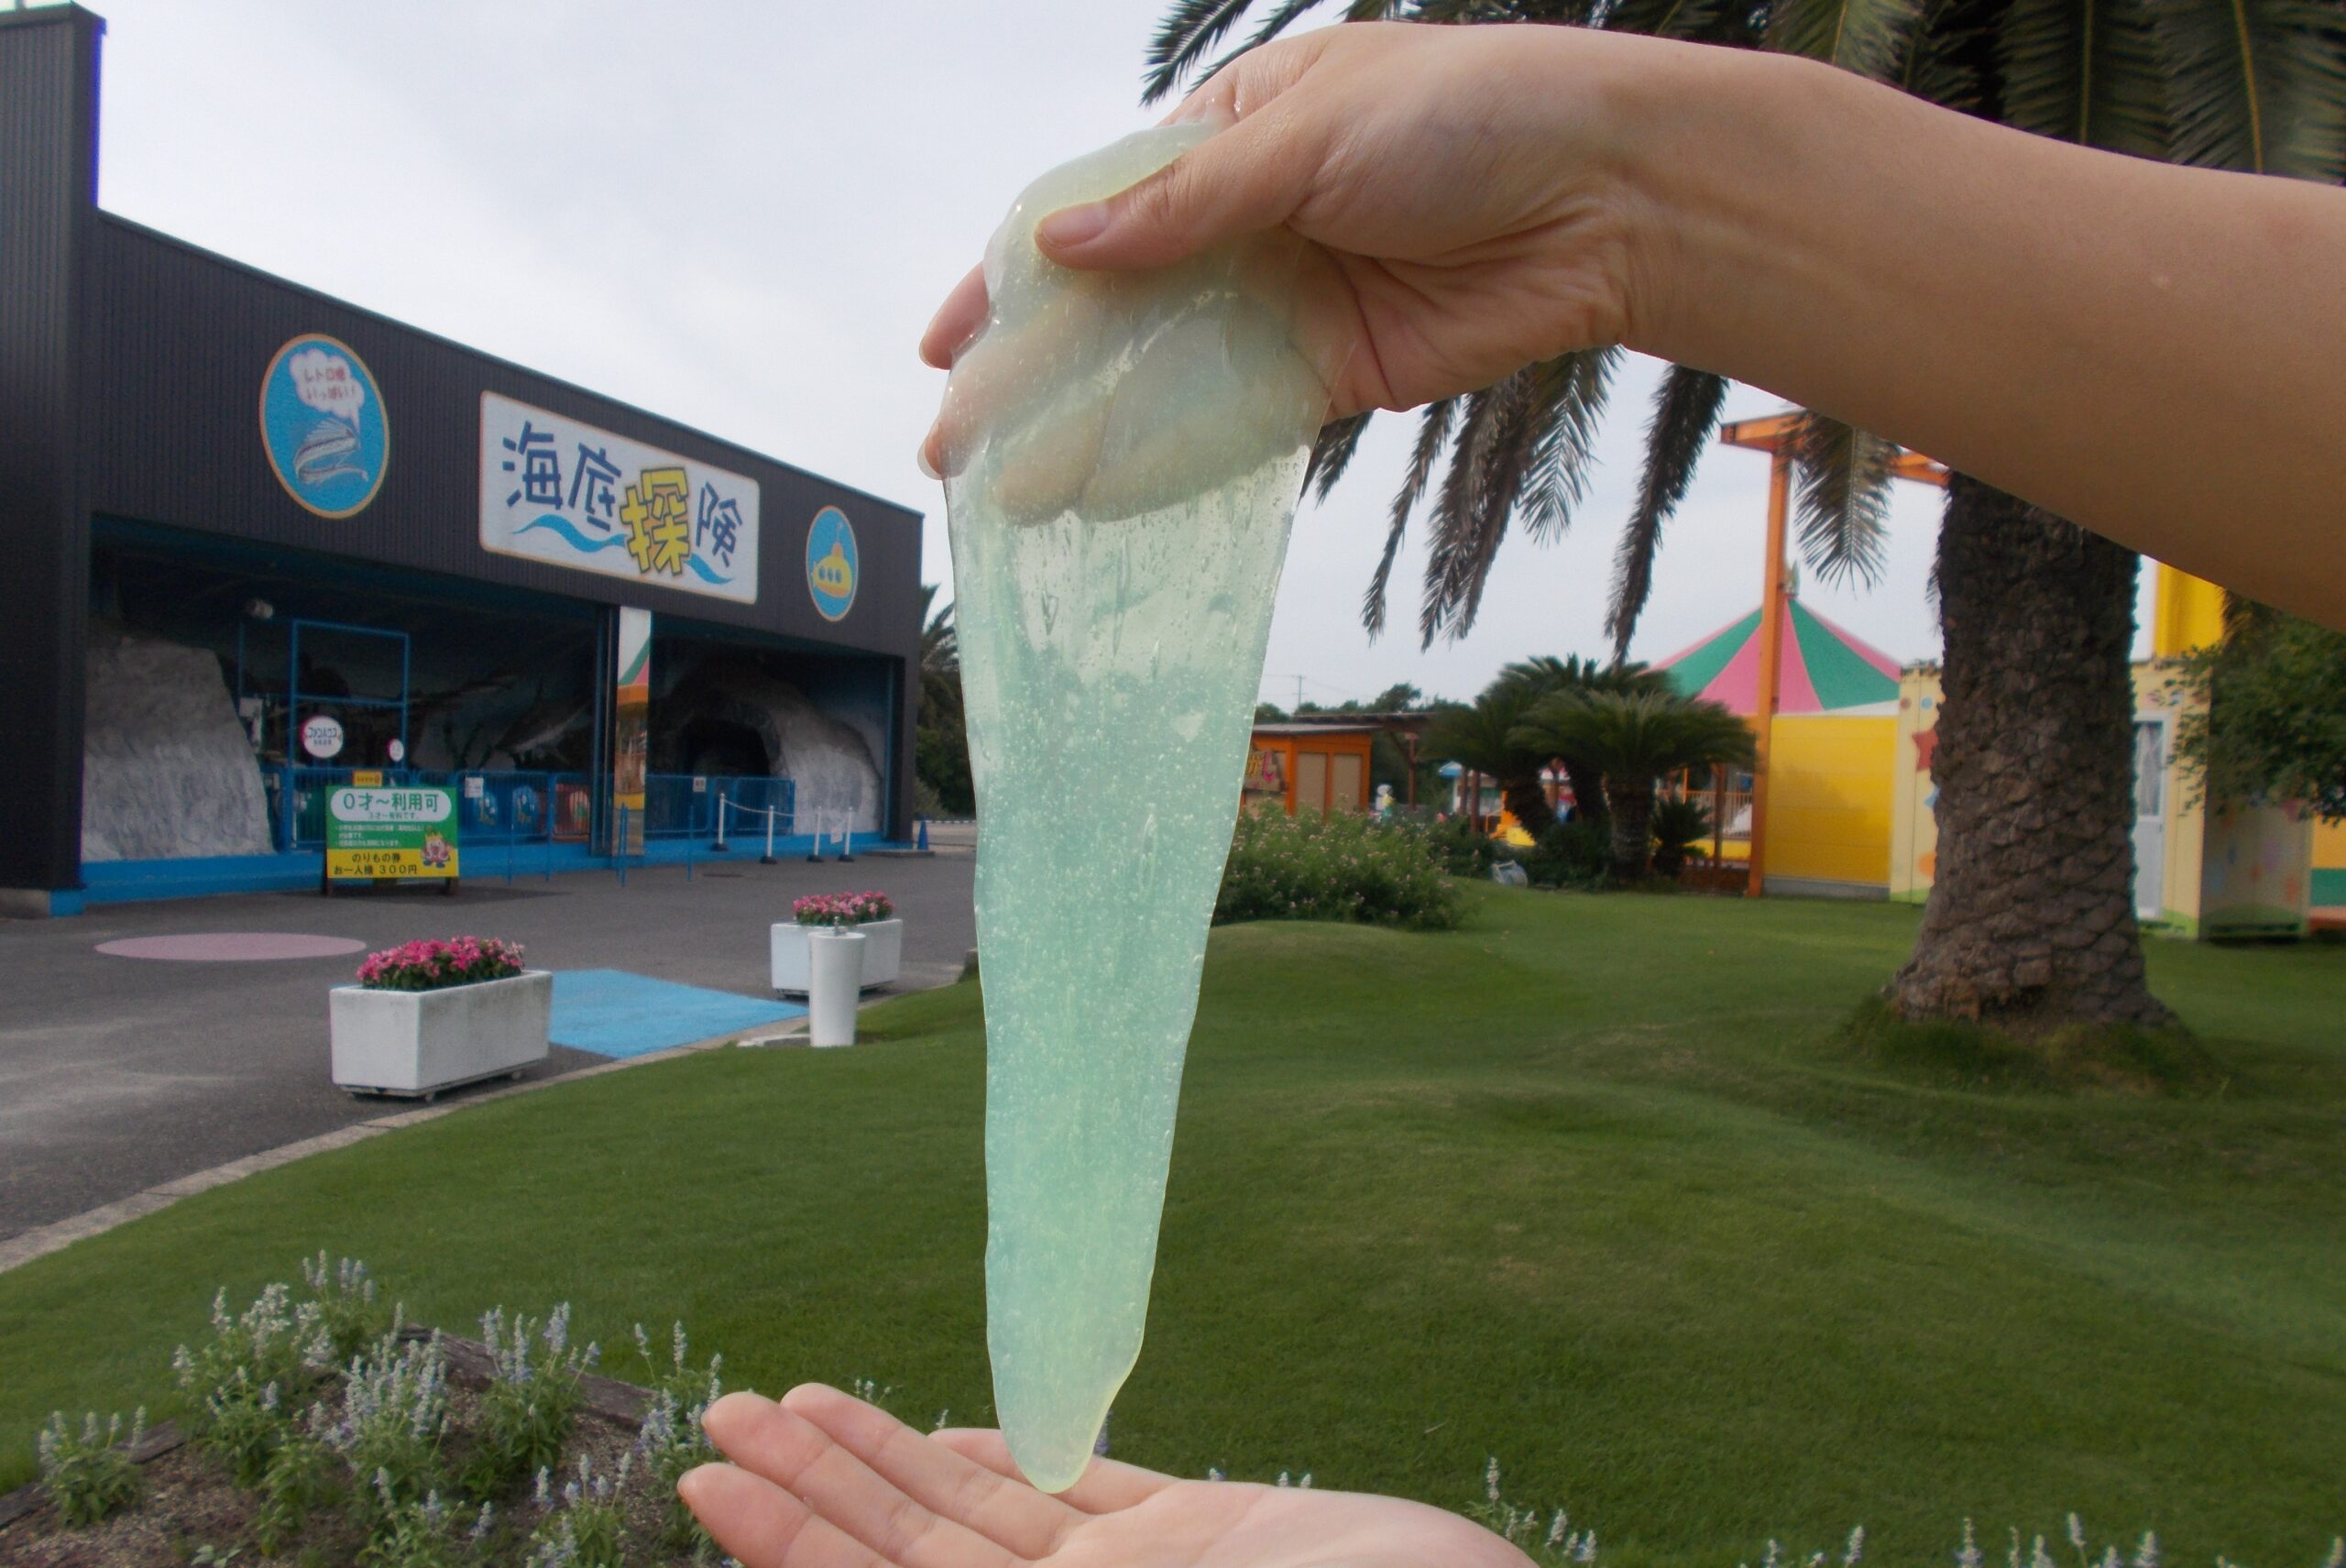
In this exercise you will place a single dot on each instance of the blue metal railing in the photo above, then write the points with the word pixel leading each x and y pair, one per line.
pixel 520 806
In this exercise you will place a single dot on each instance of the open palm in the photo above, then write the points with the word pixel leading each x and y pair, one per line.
pixel 823 1480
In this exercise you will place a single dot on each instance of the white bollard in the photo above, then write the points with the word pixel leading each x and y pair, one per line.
pixel 834 985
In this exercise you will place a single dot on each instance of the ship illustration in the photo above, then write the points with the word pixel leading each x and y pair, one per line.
pixel 832 573
pixel 323 451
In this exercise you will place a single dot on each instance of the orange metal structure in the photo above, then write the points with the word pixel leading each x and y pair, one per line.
pixel 1775 434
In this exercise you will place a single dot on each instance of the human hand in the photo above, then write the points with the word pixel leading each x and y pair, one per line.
pixel 822 1480
pixel 1468 188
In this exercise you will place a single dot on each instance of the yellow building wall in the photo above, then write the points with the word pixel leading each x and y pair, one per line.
pixel 2330 863
pixel 2186 612
pixel 1829 797
pixel 1913 828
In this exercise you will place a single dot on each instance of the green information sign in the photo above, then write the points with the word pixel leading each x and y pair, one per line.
pixel 409 830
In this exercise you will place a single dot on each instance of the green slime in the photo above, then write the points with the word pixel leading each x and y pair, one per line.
pixel 1125 454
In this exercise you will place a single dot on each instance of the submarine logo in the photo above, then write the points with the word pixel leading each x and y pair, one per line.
pixel 323 425
pixel 832 566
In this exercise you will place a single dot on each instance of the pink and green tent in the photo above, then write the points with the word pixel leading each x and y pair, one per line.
pixel 1825 669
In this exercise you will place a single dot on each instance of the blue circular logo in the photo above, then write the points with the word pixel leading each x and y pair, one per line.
pixel 322 425
pixel 832 567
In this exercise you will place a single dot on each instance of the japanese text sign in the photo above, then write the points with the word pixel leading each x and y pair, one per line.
pixel 408 831
pixel 555 490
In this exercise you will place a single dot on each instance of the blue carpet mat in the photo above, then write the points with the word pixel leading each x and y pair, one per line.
pixel 615 1014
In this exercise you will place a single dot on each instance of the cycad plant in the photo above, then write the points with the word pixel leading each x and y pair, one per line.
pixel 1480 737
pixel 1632 740
pixel 1546 675
pixel 2036 613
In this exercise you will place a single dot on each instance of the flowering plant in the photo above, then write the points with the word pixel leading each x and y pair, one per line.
pixel 430 966
pixel 843 908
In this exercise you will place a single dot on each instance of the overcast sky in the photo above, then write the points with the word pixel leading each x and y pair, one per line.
pixel 740 215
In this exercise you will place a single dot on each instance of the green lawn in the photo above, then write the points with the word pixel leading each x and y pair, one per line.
pixel 1589 1185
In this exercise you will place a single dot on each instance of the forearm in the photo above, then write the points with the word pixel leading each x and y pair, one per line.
pixel 2156 353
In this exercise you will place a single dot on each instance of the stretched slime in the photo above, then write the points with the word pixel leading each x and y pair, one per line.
pixel 1124 457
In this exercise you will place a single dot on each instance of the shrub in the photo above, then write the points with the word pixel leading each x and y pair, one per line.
pixel 1334 868
pixel 843 908
pixel 433 965
pixel 585 1527
pixel 394 1412
pixel 525 1413
pixel 1459 849
pixel 303 1477
pixel 1680 824
pixel 670 1441
pixel 1571 854
pixel 87 1474
pixel 423 1532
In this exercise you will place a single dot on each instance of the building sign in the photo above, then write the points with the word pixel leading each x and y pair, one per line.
pixel 555 490
pixel 323 425
pixel 408 831
pixel 322 737
pixel 630 728
pixel 832 566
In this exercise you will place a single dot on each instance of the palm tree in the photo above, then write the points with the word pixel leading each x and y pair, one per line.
pixel 1631 740
pixel 1480 737
pixel 2257 85
pixel 1546 675
pixel 940 742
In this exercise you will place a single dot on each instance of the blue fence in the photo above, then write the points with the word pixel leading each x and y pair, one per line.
pixel 517 807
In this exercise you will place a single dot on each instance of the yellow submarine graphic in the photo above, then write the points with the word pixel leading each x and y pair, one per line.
pixel 833 575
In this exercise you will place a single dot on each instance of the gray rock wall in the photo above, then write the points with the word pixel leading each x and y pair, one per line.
pixel 829 763
pixel 166 770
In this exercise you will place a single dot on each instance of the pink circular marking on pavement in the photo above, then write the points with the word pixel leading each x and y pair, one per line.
pixel 225 946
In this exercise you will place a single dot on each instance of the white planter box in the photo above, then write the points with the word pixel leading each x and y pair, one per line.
pixel 883 953
pixel 421 1042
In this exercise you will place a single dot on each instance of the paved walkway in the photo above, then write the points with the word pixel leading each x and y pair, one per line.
pixel 121 1074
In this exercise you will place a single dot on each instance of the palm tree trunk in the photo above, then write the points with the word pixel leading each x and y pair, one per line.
pixel 1529 804
pixel 1630 805
pixel 1588 791
pixel 2030 923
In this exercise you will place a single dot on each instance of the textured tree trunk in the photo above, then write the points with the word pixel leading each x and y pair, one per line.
pixel 1588 790
pixel 1529 804
pixel 2030 923
pixel 1631 808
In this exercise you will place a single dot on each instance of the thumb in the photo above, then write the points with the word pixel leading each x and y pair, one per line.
pixel 1239 181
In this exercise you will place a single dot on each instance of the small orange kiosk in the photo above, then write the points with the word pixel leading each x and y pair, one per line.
pixel 1310 767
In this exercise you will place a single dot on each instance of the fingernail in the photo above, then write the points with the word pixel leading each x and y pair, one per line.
pixel 922 457
pixel 1072 227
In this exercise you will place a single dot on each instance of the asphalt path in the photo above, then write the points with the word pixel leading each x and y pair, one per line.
pixel 119 1073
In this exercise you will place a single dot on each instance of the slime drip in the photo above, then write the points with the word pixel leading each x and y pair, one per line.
pixel 1124 455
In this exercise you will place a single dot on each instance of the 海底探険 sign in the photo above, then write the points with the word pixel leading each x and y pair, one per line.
pixel 568 494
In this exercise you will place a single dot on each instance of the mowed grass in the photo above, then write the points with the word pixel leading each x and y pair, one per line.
pixel 1591 1185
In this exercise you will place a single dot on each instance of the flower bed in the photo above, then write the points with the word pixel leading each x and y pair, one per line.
pixel 437 965
pixel 843 908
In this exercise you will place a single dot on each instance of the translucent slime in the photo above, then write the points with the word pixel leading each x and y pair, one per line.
pixel 1124 457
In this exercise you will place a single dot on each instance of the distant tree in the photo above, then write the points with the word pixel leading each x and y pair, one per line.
pixel 1546 675
pixel 940 741
pixel 1482 736
pixel 1634 738
pixel 1269 713
pixel 2273 724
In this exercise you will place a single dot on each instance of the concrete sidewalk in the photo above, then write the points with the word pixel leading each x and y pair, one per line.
pixel 118 1075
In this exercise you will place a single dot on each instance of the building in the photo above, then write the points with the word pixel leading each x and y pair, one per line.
pixel 262 544
pixel 1306 766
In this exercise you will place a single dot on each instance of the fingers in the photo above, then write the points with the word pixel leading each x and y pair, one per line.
pixel 1012 1515
pixel 956 323
pixel 799 1457
pixel 1106 1486
pixel 1247 178
pixel 765 1526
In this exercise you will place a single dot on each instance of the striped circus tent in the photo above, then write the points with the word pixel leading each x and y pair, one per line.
pixel 1825 669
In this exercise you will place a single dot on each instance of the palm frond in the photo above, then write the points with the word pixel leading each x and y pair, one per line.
pixel 1686 412
pixel 1944 61
pixel 1186 35
pixel 2255 84
pixel 1455 548
pixel 1868 37
pixel 1433 430
pixel 1664 18
pixel 2087 73
pixel 1844 499
pixel 1332 454
pixel 1277 22
pixel 1572 391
